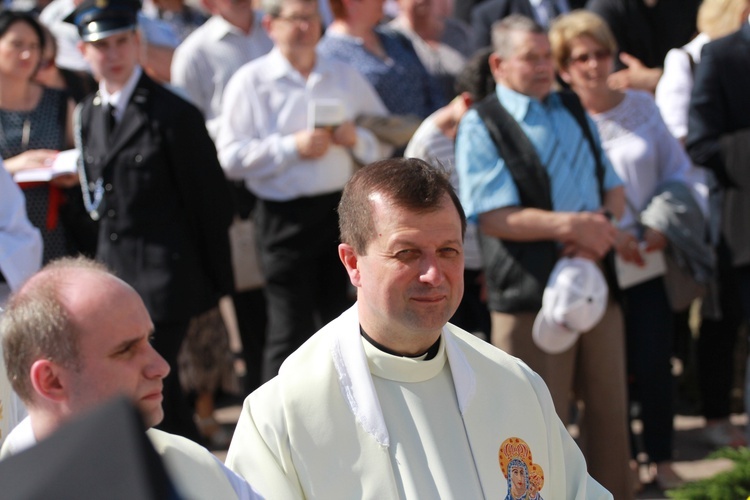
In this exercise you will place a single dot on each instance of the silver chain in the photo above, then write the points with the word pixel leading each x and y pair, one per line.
pixel 92 206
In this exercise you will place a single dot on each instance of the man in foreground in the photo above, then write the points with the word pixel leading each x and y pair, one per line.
pixel 390 401
pixel 73 337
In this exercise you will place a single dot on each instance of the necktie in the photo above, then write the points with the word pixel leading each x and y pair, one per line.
pixel 110 119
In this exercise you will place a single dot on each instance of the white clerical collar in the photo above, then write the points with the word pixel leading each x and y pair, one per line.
pixel 401 368
pixel 120 98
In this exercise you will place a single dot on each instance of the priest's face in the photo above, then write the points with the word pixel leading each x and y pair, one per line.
pixel 410 281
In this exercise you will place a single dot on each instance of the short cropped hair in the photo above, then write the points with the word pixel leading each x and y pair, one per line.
pixel 409 183
pixel 717 18
pixel 502 33
pixel 37 325
pixel 578 23
pixel 273 7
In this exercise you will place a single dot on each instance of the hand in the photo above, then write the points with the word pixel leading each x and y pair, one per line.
pixel 312 144
pixel 592 232
pixel 33 158
pixel 655 240
pixel 345 135
pixel 65 180
pixel 635 76
pixel 573 250
pixel 628 249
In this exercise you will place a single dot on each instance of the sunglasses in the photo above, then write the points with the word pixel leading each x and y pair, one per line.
pixel 599 55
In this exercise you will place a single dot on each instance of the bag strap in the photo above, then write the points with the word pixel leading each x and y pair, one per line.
pixel 571 101
pixel 515 148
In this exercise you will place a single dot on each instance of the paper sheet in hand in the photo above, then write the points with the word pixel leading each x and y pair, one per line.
pixel 629 274
pixel 65 163
pixel 322 113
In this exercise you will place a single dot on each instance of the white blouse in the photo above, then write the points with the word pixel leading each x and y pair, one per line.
pixel 642 150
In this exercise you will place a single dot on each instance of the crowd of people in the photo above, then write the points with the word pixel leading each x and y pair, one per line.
pixel 563 180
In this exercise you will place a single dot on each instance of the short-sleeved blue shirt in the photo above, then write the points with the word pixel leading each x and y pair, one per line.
pixel 485 182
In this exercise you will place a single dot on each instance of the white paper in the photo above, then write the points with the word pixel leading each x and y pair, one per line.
pixel 629 274
pixel 66 162
pixel 323 113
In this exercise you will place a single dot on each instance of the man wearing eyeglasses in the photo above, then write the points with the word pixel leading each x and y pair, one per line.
pixel 544 190
pixel 287 129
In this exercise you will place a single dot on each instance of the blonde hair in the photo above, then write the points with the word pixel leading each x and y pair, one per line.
pixel 717 18
pixel 576 24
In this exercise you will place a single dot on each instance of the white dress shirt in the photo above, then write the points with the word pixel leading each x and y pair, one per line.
pixel 266 104
pixel 208 58
pixel 119 100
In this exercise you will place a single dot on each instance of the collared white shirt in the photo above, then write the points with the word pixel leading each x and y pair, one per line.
pixel 120 98
pixel 266 103
pixel 208 58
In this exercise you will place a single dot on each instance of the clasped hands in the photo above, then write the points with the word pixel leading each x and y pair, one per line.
pixel 312 144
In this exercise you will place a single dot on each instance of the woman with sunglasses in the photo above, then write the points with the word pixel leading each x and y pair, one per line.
pixel 34 125
pixel 644 155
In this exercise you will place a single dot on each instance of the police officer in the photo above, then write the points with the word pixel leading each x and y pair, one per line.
pixel 150 177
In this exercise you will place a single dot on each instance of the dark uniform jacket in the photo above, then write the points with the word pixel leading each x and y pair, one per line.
pixel 166 207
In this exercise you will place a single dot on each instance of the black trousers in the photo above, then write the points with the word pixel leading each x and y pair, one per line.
pixel 306 284
pixel 178 415
pixel 716 344
pixel 252 322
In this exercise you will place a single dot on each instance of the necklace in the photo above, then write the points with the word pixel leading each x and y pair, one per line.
pixel 25 134
pixel 91 205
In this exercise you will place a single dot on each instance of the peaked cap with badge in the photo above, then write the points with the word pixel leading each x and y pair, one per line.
pixel 99 19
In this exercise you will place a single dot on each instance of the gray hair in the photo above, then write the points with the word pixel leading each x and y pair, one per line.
pixel 502 33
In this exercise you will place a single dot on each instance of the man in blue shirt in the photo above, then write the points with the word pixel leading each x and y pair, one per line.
pixel 571 219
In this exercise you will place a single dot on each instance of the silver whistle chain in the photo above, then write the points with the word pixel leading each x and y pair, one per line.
pixel 92 206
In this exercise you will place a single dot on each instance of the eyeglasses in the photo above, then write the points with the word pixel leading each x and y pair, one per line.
pixel 313 18
pixel 599 55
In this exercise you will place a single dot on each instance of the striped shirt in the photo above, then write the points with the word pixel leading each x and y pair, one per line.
pixel 485 182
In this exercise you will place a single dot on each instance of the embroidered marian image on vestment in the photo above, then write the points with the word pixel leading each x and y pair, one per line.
pixel 525 479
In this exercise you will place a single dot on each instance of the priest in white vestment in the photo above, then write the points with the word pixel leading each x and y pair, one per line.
pixel 391 401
